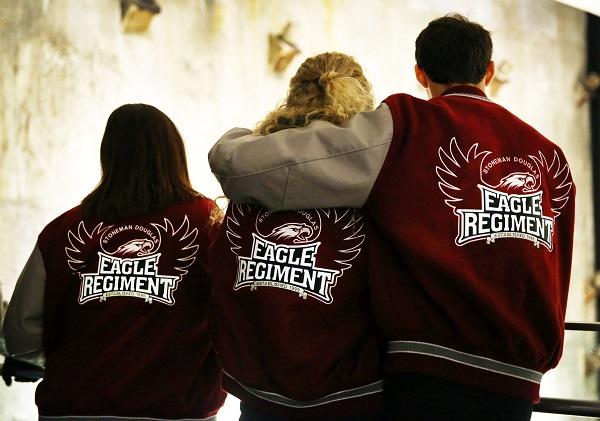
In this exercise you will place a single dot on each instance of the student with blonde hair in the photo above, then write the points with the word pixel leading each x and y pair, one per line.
pixel 290 315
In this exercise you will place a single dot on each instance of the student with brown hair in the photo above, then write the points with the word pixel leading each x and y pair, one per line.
pixel 114 296
pixel 290 314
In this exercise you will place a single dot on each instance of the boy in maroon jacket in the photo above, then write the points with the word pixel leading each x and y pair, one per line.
pixel 474 213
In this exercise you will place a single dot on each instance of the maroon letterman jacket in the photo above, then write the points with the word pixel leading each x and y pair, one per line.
pixel 290 315
pixel 124 327
pixel 472 216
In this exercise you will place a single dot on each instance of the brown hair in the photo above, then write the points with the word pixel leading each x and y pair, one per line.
pixel 144 166
pixel 329 86
pixel 452 49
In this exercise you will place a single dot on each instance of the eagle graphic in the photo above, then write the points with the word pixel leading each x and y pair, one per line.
pixel 523 181
pixel 299 232
pixel 349 221
pixel 457 171
pixel 139 247
pixel 181 243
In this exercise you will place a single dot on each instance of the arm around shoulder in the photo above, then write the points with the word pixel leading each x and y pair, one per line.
pixel 321 165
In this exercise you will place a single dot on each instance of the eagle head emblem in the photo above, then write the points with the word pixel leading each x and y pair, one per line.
pixel 138 247
pixel 299 232
pixel 518 180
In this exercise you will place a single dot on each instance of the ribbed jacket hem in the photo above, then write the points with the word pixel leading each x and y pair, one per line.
pixel 468 369
pixel 367 399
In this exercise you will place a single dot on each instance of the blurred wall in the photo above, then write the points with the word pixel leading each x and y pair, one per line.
pixel 66 64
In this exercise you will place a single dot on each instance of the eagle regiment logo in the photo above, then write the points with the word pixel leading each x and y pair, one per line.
pixel 130 268
pixel 285 255
pixel 514 206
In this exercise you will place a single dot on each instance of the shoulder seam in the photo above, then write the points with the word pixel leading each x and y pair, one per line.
pixel 287 180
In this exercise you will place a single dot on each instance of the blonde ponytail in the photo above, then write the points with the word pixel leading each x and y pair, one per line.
pixel 329 87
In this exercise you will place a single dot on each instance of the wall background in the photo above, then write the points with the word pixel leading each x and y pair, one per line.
pixel 65 65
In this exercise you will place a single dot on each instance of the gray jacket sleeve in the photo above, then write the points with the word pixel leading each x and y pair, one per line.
pixel 321 165
pixel 23 323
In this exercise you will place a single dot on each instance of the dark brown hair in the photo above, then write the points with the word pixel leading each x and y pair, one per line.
pixel 451 49
pixel 144 166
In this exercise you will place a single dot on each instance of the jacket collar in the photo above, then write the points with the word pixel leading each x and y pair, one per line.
pixel 466 91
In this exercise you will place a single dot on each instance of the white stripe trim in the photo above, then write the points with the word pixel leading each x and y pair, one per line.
pixel 115 417
pixel 483 363
pixel 369 389
pixel 471 96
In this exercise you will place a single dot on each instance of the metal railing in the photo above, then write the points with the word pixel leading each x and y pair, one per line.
pixel 575 407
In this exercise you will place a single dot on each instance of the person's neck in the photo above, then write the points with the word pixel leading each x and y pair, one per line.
pixel 437 89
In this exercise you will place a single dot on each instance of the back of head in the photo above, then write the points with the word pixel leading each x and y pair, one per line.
pixel 144 166
pixel 329 86
pixel 451 49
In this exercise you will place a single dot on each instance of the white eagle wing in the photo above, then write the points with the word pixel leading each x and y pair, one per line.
pixel 183 241
pixel 232 223
pixel 456 171
pixel 78 241
pixel 352 228
pixel 560 179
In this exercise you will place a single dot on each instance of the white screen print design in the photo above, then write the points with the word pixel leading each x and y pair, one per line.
pixel 131 268
pixel 511 208
pixel 285 255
